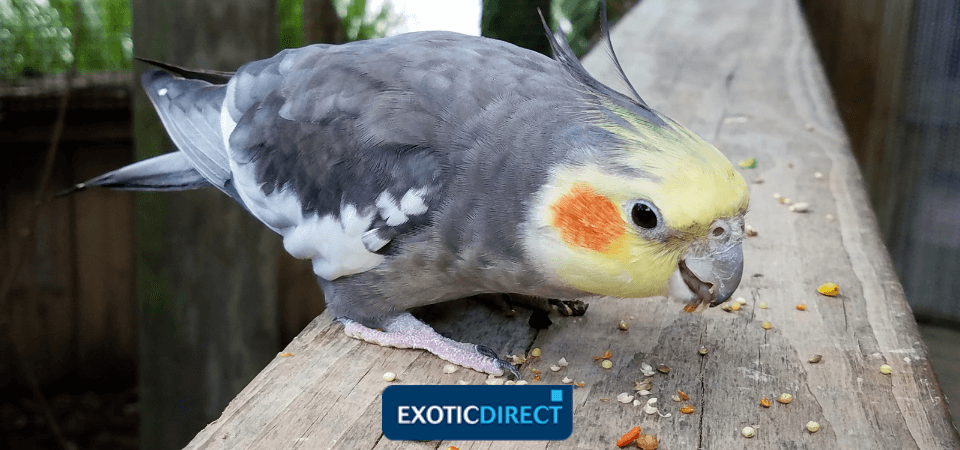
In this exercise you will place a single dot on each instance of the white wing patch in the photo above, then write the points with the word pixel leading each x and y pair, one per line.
pixel 334 244
pixel 390 209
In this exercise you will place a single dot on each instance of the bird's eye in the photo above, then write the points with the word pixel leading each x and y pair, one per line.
pixel 643 215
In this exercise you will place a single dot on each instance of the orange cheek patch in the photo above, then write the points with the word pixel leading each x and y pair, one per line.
pixel 586 219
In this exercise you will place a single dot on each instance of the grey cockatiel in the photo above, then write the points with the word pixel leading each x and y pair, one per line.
pixel 432 166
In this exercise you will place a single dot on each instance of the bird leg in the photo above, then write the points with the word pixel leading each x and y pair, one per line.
pixel 405 331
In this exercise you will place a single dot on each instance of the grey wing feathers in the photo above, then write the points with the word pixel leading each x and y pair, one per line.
pixel 190 112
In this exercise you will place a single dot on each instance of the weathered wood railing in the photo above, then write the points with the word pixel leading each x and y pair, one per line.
pixel 745 76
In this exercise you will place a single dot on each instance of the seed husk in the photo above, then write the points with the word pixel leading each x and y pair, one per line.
pixel 766 325
pixel 662 368
pixel 762 305
pixel 765 402
pixel 675 398
pixel 389 376
pixel 886 369
pixel 606 364
pixel 607 354
pixel 563 362
pixel 735 307
pixel 623 325
pixel 687 409
pixel 647 442
pixel 801 307
pixel 785 398
pixel 703 350
pixel 748 432
pixel 813 427
pixel 815 359
pixel 683 395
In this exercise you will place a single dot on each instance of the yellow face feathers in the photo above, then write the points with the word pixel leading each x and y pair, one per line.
pixel 581 222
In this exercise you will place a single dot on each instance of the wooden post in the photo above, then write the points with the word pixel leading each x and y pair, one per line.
pixel 206 269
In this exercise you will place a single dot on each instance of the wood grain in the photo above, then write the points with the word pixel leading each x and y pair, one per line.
pixel 744 75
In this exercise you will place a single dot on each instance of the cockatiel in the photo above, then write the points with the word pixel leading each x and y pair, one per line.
pixel 432 166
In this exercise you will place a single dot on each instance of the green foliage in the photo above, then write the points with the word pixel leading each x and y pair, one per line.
pixel 44 36
pixel 579 19
pixel 357 26
pixel 354 21
pixel 291 23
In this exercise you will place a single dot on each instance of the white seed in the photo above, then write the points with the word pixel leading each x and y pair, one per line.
pixel 799 207
pixel 521 382
pixel 777 196
pixel 567 380
pixel 675 398
pixel 829 217
pixel 606 364
pixel 555 368
pixel 643 392
pixel 644 367
pixel 818 175
pixel 450 368
pixel 624 397
pixel 748 432
pixel 563 362
pixel 493 381
pixel 813 427
pixel 741 300
pixel 389 376
pixel 652 401
pixel 463 383
pixel 886 369
pixel 637 402
pixel 509 383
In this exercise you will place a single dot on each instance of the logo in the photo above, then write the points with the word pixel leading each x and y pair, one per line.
pixel 478 412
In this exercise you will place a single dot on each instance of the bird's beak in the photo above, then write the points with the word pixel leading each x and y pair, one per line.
pixel 709 278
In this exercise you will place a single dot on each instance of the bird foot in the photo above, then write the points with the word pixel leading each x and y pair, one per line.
pixel 570 307
pixel 405 331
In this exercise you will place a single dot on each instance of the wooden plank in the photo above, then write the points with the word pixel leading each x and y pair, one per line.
pixel 206 269
pixel 106 286
pixel 745 76
pixel 41 305
pixel 299 297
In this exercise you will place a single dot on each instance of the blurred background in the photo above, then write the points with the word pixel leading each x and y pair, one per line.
pixel 129 321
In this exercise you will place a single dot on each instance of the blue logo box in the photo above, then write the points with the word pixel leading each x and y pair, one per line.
pixel 539 413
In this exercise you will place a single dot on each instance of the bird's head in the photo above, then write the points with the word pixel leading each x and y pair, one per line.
pixel 643 207
pixel 639 205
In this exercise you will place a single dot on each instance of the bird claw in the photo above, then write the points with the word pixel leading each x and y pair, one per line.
pixel 570 307
pixel 505 367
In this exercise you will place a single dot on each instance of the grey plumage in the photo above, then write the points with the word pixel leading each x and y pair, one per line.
pixel 403 167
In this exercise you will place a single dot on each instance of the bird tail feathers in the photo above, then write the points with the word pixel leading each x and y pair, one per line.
pixel 167 172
